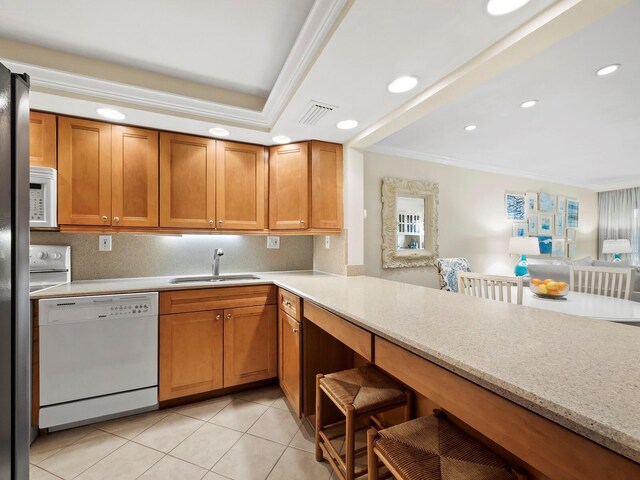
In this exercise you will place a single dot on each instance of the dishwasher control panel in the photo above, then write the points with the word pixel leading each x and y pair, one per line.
pixel 55 311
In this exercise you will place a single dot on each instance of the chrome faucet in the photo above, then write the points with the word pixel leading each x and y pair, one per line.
pixel 215 266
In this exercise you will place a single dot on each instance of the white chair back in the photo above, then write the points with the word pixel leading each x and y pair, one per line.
pixel 607 281
pixel 491 287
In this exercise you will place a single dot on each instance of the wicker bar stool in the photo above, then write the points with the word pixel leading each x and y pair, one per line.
pixel 433 448
pixel 359 393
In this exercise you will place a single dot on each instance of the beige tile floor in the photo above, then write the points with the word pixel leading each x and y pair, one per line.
pixel 247 436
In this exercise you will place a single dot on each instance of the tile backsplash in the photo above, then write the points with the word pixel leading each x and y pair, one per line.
pixel 158 255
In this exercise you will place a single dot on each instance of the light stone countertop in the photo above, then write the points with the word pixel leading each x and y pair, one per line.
pixel 581 373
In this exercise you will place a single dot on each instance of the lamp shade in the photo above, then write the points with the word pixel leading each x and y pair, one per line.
pixel 524 246
pixel 616 246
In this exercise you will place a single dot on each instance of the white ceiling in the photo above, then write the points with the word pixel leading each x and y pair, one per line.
pixel 344 53
pixel 583 131
pixel 237 45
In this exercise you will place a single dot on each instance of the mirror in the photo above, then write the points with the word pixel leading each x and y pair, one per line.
pixel 409 223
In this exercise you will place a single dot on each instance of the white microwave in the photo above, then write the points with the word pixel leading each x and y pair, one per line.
pixel 43 197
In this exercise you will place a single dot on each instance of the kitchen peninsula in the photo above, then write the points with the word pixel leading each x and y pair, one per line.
pixel 537 378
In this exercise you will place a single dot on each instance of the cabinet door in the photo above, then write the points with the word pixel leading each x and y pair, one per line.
pixel 289 187
pixel 42 140
pixel 250 344
pixel 241 174
pixel 326 185
pixel 290 359
pixel 187 181
pixel 190 353
pixel 134 185
pixel 84 172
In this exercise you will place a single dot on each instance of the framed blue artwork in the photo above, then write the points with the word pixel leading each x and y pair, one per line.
pixel 545 244
pixel 573 213
pixel 546 202
pixel 545 223
pixel 515 206
pixel 520 229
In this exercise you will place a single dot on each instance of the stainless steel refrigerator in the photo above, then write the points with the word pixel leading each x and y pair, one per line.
pixel 15 323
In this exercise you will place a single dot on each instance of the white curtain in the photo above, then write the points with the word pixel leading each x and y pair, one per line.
pixel 619 219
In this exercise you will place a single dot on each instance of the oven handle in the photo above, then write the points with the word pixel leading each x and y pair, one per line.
pixel 51 270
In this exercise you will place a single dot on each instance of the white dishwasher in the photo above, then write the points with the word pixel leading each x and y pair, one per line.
pixel 98 357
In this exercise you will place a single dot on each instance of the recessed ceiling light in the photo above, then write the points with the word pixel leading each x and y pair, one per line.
pixel 529 103
pixel 111 114
pixel 403 84
pixel 281 139
pixel 218 132
pixel 470 128
pixel 347 124
pixel 608 69
pixel 502 7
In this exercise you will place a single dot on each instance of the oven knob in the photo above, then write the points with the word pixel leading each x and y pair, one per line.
pixel 56 256
pixel 42 255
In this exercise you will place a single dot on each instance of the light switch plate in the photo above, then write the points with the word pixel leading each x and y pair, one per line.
pixel 273 242
pixel 104 244
pixel 327 241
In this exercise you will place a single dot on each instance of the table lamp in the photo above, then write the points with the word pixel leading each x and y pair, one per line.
pixel 523 246
pixel 616 247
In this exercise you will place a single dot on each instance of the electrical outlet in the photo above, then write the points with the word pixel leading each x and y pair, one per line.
pixel 327 241
pixel 104 244
pixel 273 242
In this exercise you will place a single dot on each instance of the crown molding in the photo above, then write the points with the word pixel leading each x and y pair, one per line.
pixel 318 26
pixel 471 165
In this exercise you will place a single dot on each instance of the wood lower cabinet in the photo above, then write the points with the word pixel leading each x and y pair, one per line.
pixel 84 172
pixel 241 186
pixel 187 181
pixel 42 140
pixel 250 344
pixel 290 359
pixel 191 355
pixel 289 187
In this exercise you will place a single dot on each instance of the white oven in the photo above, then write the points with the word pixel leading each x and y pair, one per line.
pixel 43 206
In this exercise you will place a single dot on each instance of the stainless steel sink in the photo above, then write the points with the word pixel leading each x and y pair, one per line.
pixel 213 279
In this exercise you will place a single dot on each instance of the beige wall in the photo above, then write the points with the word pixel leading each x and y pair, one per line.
pixel 471 215
pixel 156 255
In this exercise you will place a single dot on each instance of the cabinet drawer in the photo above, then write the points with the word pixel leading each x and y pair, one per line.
pixel 181 301
pixel 354 337
pixel 289 303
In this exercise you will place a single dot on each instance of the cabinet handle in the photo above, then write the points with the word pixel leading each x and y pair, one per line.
pixel 218 317
pixel 287 303
pixel 116 219
pixel 228 315
pixel 220 222
pixel 104 218
pixel 301 221
pixel 294 330
pixel 210 222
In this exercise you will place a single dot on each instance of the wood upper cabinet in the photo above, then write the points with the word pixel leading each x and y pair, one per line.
pixel 326 185
pixel 134 184
pixel 250 344
pixel 241 186
pixel 187 181
pixel 290 359
pixel 42 140
pixel 289 187
pixel 190 353
pixel 84 172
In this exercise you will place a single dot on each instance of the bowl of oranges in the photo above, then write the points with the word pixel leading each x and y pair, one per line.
pixel 549 288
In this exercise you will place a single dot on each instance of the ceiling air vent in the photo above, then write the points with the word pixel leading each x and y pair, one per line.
pixel 314 112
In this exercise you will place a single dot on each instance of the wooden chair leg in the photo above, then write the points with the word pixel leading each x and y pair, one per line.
pixel 350 442
pixel 408 408
pixel 319 455
pixel 372 458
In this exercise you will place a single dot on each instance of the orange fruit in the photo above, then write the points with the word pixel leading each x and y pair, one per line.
pixel 553 286
pixel 542 289
pixel 536 281
pixel 547 281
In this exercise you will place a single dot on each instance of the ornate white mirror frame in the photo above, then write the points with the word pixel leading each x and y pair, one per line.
pixel 392 257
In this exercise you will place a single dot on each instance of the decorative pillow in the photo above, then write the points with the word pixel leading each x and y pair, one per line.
pixel 582 262
pixel 559 273
pixel 448 269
